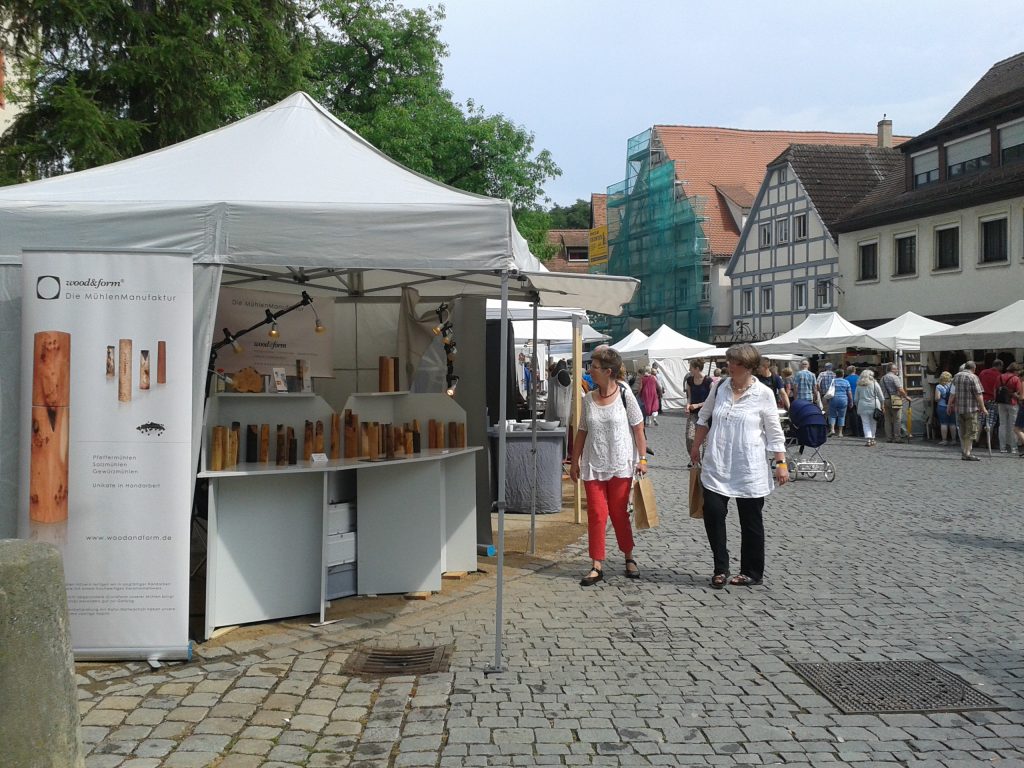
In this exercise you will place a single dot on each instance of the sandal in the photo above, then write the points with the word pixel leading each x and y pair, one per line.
pixel 632 574
pixel 589 581
pixel 742 580
pixel 719 580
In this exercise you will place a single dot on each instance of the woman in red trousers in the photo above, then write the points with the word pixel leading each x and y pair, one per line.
pixel 609 449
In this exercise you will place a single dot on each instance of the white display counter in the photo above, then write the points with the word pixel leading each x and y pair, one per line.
pixel 268 541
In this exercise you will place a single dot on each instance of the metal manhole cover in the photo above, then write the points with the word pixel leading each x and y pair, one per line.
pixel 421 660
pixel 881 687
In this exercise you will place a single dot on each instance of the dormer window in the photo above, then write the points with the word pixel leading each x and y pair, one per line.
pixel 926 167
pixel 968 155
pixel 1011 142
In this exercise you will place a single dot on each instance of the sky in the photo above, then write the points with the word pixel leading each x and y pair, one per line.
pixel 585 75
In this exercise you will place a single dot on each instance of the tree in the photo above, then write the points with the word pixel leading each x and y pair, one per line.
pixel 575 216
pixel 101 80
pixel 378 67
pixel 534 224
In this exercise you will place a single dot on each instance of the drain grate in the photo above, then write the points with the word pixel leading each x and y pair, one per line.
pixel 889 687
pixel 421 660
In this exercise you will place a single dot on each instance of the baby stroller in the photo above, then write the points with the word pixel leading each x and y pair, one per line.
pixel 810 429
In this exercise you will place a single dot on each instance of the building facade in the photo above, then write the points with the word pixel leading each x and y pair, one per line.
pixel 786 264
pixel 944 234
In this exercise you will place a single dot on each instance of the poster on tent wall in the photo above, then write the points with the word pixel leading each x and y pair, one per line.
pixel 106 442
pixel 297 335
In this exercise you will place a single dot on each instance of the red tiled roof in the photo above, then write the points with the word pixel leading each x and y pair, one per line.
pixel 730 157
pixel 570 238
pixel 598 209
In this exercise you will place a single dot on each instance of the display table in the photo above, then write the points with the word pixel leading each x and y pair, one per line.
pixel 267 540
pixel 519 469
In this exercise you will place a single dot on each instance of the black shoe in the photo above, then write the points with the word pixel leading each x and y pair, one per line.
pixel 970 457
pixel 589 581
pixel 632 574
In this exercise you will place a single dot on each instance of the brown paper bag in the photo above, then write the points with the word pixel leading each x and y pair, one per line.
pixel 645 508
pixel 696 493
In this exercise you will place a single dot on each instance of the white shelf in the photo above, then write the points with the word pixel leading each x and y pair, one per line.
pixel 275 395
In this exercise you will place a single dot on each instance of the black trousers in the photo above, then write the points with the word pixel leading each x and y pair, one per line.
pixel 751 533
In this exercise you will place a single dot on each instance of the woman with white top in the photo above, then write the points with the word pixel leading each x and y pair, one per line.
pixel 608 450
pixel 744 425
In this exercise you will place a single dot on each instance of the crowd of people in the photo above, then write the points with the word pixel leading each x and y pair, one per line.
pixel 733 426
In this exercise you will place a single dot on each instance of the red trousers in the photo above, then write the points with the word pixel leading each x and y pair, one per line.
pixel 604 498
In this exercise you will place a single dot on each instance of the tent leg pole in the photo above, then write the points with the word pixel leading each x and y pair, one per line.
pixel 498 665
pixel 533 452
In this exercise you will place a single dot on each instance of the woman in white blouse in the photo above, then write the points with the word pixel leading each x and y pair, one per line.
pixel 744 425
pixel 608 449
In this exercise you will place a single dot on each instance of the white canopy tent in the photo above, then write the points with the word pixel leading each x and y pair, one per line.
pixel 1002 329
pixel 903 334
pixel 670 350
pixel 822 332
pixel 288 196
pixel 636 336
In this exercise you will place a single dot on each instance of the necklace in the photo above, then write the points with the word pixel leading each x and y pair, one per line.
pixel 741 390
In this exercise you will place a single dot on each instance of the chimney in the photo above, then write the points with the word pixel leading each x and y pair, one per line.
pixel 885 133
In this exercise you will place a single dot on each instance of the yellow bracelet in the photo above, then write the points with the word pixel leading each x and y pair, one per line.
pixel 643 461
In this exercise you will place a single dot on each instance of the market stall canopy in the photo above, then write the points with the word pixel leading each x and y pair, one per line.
pixel 523 310
pixel 821 332
pixel 553 330
pixel 904 333
pixel 635 336
pixel 292 195
pixel 1002 329
pixel 666 343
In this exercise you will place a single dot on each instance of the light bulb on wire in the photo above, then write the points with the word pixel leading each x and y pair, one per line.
pixel 453 383
pixel 273 332
pixel 320 327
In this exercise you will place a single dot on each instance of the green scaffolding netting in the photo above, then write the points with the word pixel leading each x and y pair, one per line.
pixel 655 234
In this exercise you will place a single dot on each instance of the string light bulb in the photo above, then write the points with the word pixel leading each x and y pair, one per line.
pixel 230 339
pixel 273 332
pixel 320 327
pixel 453 383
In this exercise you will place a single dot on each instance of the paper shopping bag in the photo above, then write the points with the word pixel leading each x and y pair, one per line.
pixel 645 508
pixel 696 493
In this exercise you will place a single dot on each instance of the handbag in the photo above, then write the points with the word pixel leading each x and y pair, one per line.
pixel 696 497
pixel 645 507
pixel 896 401
pixel 831 390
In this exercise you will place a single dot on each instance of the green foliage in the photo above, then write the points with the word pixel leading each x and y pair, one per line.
pixel 101 80
pixel 575 216
pixel 533 225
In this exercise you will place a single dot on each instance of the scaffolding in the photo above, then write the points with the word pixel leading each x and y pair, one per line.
pixel 655 234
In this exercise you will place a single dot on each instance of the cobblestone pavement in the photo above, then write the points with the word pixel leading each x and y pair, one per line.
pixel 910 554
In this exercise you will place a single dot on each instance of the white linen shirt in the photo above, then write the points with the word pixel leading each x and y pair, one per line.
pixel 609 450
pixel 735 464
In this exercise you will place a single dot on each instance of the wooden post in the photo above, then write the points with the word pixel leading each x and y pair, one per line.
pixel 282 446
pixel 335 435
pixel 218 440
pixel 144 369
pixel 110 362
pixel 264 443
pixel 395 385
pixel 51 407
pixel 307 442
pixel 161 362
pixel 124 371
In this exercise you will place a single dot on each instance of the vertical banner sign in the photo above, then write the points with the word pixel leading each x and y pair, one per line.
pixel 106 442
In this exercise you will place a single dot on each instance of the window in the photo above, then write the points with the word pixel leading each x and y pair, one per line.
pixel 765 236
pixel 969 155
pixel 747 306
pixel 906 255
pixel 577 254
pixel 782 231
pixel 800 226
pixel 868 262
pixel 783 175
pixel 993 241
pixel 767 300
pixel 705 291
pixel 926 168
pixel 821 293
pixel 799 295
pixel 1011 142
pixel 947 248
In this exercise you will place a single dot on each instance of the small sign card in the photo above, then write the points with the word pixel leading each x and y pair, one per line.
pixel 280 380
pixel 319 458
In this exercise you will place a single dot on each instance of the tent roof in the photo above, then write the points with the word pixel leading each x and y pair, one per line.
pixel 905 332
pixel 634 337
pixel 821 332
pixel 552 330
pixel 288 194
pixel 666 342
pixel 1002 329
